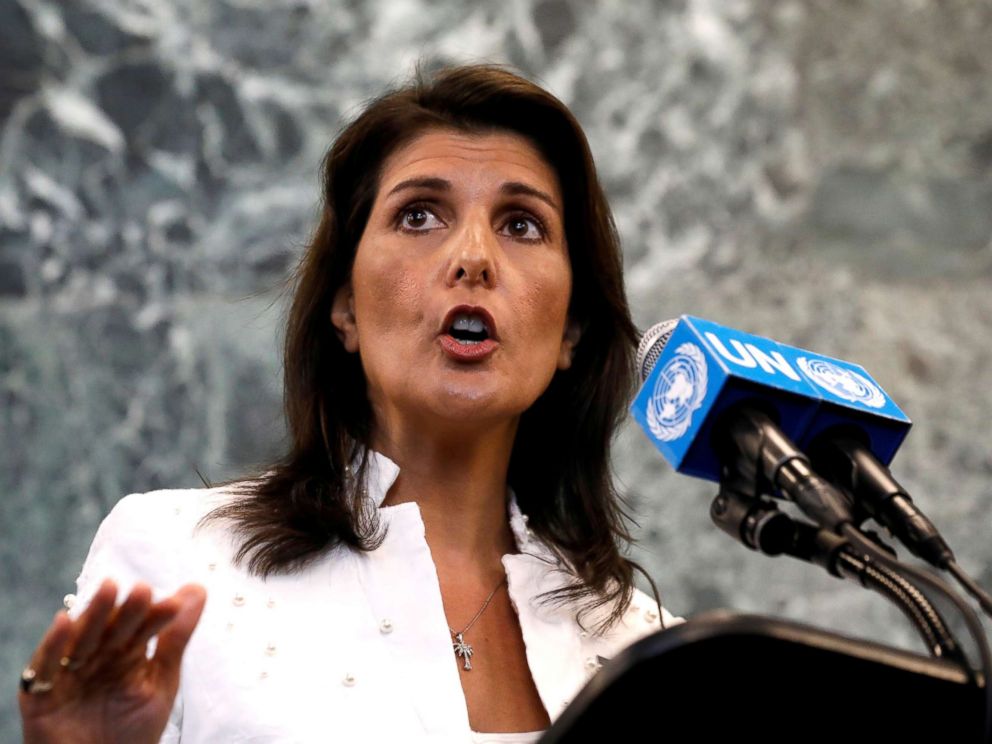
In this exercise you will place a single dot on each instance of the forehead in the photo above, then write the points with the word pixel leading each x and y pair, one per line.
pixel 489 158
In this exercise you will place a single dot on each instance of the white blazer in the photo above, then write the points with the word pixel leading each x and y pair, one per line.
pixel 356 647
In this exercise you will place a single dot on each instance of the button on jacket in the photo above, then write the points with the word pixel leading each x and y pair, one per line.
pixel 353 648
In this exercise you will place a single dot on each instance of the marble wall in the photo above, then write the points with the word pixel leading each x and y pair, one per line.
pixel 814 171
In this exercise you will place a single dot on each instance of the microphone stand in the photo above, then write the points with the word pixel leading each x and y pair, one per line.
pixel 761 526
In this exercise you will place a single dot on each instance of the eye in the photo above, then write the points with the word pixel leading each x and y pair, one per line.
pixel 418 218
pixel 524 227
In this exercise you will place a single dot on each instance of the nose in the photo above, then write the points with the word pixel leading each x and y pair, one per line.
pixel 472 258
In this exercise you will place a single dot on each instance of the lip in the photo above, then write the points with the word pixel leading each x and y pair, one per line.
pixel 486 316
pixel 468 352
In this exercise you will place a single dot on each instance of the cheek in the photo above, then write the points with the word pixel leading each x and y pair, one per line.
pixel 388 298
pixel 548 300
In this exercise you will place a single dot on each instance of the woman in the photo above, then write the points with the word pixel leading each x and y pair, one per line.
pixel 437 554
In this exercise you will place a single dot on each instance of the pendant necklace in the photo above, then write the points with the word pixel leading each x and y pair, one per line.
pixel 463 649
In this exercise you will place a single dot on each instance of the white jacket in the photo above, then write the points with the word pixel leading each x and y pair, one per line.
pixel 354 648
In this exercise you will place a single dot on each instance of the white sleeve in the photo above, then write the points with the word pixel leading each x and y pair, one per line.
pixel 136 542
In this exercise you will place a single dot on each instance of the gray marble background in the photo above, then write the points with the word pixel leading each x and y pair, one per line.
pixel 814 171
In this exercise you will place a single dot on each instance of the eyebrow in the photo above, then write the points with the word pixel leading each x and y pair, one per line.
pixel 510 188
pixel 515 188
pixel 428 182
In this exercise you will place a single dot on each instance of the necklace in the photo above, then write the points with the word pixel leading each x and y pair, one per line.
pixel 463 649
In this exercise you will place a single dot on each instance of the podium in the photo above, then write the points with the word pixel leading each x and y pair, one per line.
pixel 724 677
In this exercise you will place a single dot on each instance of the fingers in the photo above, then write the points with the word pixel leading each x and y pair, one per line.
pixel 163 613
pixel 159 615
pixel 92 624
pixel 174 637
pixel 65 637
pixel 45 661
pixel 128 618
pixel 96 666
pixel 105 636
pixel 104 631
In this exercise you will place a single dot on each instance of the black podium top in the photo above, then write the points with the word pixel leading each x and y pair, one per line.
pixel 727 677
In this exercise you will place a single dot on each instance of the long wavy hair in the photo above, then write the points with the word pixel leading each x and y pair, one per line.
pixel 311 500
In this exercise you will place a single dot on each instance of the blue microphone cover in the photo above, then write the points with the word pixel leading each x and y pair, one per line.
pixel 705 368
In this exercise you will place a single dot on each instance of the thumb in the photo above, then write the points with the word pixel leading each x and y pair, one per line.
pixel 173 638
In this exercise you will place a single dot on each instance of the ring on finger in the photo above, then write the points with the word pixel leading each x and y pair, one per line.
pixel 70 664
pixel 30 683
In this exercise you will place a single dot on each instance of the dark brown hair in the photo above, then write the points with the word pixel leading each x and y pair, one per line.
pixel 309 501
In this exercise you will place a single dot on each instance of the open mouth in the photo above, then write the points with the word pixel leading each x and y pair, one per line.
pixel 468 334
pixel 469 328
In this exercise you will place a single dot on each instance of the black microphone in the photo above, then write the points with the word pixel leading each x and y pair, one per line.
pixel 844 457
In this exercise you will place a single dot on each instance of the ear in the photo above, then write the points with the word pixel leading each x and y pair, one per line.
pixel 343 317
pixel 569 340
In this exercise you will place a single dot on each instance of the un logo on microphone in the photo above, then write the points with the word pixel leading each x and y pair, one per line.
pixel 845 383
pixel 678 392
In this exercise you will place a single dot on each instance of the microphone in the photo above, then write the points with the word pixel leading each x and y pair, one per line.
pixel 849 463
pixel 845 420
pixel 723 404
pixel 694 370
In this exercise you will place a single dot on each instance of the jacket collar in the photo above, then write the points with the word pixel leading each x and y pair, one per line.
pixel 382 473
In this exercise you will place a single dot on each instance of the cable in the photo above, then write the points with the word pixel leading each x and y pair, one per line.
pixel 971 586
pixel 935 583
pixel 758 524
pixel 909 599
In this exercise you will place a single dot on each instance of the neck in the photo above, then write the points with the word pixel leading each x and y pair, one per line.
pixel 459 483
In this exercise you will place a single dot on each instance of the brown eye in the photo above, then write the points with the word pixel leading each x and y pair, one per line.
pixel 519 227
pixel 418 219
pixel 524 228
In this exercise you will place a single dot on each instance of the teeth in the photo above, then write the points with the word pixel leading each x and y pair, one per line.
pixel 470 323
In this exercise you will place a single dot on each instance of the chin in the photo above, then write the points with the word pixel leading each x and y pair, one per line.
pixel 468 403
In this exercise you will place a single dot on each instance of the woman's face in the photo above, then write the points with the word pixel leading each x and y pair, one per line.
pixel 458 301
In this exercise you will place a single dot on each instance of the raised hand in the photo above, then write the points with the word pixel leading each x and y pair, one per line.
pixel 92 679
